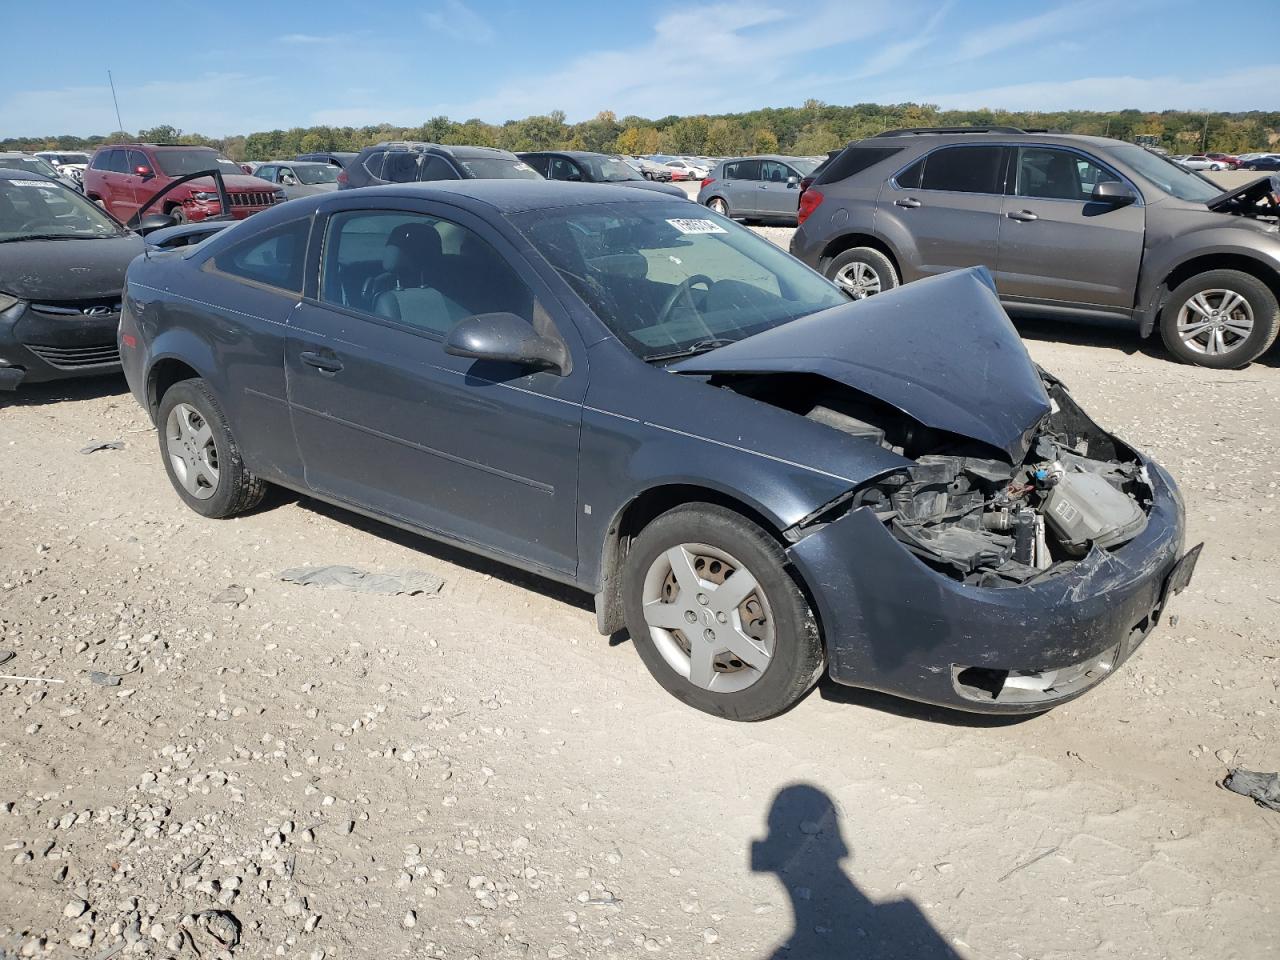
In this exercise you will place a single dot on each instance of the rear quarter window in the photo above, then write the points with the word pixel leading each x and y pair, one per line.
pixel 853 161
pixel 276 258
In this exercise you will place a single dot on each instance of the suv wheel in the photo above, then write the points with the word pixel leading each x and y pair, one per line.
pixel 178 213
pixel 716 616
pixel 1222 319
pixel 861 272
pixel 200 454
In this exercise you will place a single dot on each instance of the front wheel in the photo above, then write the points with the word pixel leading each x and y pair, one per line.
pixel 862 272
pixel 716 616
pixel 1223 319
pixel 179 214
pixel 200 454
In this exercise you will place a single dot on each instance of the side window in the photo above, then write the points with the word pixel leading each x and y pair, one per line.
pixel 394 265
pixel 909 179
pixel 1057 174
pixel 266 173
pixel 964 169
pixel 749 170
pixel 540 164
pixel 564 169
pixel 118 162
pixel 400 166
pixel 276 258
pixel 139 159
pixel 436 168
pixel 773 172
pixel 373 163
pixel 101 161
pixel 731 171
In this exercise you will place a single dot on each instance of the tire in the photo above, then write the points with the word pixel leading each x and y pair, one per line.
pixel 1242 334
pixel 784 641
pixel 719 205
pixel 861 272
pixel 209 474
pixel 178 213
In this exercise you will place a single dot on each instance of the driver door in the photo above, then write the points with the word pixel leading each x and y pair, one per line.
pixel 483 452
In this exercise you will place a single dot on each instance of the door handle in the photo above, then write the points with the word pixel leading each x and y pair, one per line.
pixel 1025 216
pixel 909 202
pixel 324 362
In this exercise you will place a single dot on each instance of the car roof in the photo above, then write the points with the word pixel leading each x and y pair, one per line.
pixel 569 153
pixel 457 150
pixel 925 139
pixel 512 196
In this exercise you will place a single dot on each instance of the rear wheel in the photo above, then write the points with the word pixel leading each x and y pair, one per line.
pixel 719 206
pixel 716 617
pixel 1221 318
pixel 200 454
pixel 862 272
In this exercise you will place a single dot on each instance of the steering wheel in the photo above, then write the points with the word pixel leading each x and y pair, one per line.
pixel 682 290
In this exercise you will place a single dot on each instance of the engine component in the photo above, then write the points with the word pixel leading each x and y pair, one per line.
pixel 846 423
pixel 1083 508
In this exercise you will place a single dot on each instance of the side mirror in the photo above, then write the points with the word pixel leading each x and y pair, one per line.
pixel 143 171
pixel 155 221
pixel 506 338
pixel 793 181
pixel 1113 192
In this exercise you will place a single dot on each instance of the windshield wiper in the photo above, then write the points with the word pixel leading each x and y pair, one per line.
pixel 701 346
pixel 46 236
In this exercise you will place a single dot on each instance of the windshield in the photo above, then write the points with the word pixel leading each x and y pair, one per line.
pixel 33 164
pixel 668 284
pixel 609 169
pixel 46 209
pixel 805 165
pixel 1164 173
pixel 178 163
pixel 320 173
pixel 498 168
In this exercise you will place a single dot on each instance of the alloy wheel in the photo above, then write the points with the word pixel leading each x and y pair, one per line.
pixel 1215 322
pixel 718 206
pixel 859 280
pixel 192 452
pixel 709 617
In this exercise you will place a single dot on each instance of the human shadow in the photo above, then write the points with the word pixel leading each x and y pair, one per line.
pixel 832 917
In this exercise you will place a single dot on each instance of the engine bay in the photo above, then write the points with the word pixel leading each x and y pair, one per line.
pixel 963 508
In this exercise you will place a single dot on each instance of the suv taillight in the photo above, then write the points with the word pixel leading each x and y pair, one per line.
pixel 342 176
pixel 809 201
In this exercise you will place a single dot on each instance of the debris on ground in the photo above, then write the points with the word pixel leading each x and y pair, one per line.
pixel 104 679
pixel 104 445
pixel 232 595
pixel 1262 788
pixel 6 656
pixel 411 582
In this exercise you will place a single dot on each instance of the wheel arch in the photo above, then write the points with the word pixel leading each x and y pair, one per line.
pixel 848 241
pixel 163 373
pixel 1196 264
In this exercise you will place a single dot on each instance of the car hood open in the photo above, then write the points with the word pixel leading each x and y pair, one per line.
pixel 1256 198
pixel 53 270
pixel 942 350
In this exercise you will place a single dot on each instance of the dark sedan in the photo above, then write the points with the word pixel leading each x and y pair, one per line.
pixel 580 166
pixel 62 265
pixel 759 479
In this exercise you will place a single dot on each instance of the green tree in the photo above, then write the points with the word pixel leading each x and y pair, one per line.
pixel 764 141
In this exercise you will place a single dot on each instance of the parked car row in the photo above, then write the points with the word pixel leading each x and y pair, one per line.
pixel 1069 226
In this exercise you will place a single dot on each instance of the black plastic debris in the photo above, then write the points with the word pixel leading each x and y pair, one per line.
pixel 1262 788
pixel 409 582
pixel 104 679
pixel 104 445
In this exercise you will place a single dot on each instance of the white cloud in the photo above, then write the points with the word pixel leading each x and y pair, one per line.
pixel 308 39
pixel 1248 89
pixel 896 54
pixel 455 19
pixel 987 40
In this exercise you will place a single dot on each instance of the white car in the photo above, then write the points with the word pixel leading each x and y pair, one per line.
pixel 690 170
pixel 1201 162
pixel 71 164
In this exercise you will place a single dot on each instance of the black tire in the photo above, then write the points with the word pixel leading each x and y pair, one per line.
pixel 870 258
pixel 797 659
pixel 237 489
pixel 720 205
pixel 178 213
pixel 1261 301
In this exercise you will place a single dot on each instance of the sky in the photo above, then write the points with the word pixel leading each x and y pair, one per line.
pixel 220 67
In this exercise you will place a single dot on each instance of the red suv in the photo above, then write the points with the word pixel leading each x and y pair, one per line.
pixel 121 178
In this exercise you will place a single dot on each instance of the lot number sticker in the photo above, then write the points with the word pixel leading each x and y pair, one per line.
pixel 697 226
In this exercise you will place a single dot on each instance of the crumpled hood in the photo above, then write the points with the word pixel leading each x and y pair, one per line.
pixel 1257 197
pixel 44 270
pixel 941 350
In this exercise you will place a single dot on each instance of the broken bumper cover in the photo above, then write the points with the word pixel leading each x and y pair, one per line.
pixel 36 346
pixel 895 625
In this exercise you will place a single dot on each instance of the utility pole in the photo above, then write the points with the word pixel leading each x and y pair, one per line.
pixel 119 122
pixel 1204 135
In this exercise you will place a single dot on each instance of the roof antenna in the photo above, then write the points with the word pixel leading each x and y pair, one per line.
pixel 119 122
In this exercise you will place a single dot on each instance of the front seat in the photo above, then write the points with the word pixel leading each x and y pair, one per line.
pixel 412 254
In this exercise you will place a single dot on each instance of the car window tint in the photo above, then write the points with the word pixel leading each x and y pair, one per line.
pixel 101 160
pixel 118 162
pixel 730 171
pixel 909 179
pixel 373 163
pixel 963 169
pixel 749 170
pixel 400 167
pixel 856 159
pixel 436 168
pixel 562 169
pixel 276 257
pixel 1057 174
pixel 773 172
pixel 266 173
pixel 417 270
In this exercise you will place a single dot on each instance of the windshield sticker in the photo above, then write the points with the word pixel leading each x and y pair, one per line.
pixel 697 226
pixel 46 184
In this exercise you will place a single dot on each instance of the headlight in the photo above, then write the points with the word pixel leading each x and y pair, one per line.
pixel 204 196
pixel 7 301
pixel 281 196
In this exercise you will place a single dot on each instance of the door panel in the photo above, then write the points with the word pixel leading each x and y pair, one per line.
pixel 777 198
pixel 1056 245
pixel 385 419
pixel 744 194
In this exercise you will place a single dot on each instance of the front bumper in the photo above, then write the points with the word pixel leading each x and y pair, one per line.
pixel 895 625
pixel 41 342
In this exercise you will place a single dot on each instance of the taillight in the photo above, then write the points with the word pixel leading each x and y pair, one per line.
pixel 809 201
pixel 708 181
pixel 342 176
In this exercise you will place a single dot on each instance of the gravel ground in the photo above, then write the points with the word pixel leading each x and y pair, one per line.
pixel 289 771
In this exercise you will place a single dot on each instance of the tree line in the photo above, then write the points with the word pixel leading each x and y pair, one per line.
pixel 811 129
